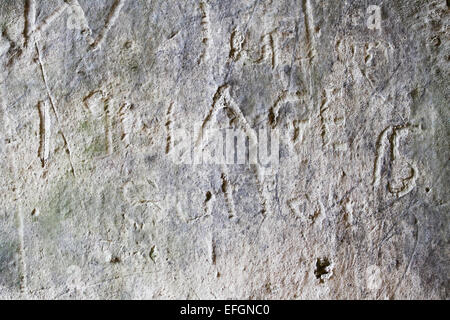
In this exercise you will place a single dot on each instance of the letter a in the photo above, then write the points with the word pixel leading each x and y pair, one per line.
pixel 374 20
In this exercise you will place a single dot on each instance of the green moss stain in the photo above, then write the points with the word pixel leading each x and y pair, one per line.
pixel 61 204
pixel 96 145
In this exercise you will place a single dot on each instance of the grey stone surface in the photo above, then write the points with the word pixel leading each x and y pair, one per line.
pixel 93 206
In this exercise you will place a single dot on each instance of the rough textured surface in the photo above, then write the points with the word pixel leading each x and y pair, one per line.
pixel 92 206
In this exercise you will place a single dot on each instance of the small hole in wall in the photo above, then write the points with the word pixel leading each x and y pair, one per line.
pixel 35 212
pixel 321 268
pixel 115 260
pixel 427 190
